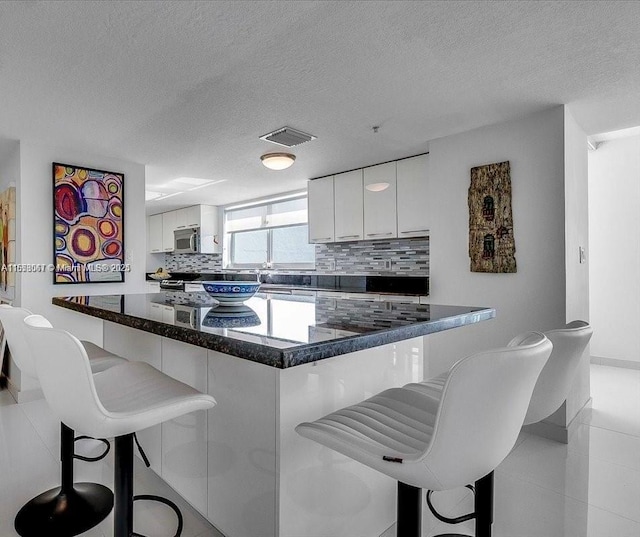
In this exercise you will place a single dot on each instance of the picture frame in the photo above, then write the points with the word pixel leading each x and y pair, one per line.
pixel 88 226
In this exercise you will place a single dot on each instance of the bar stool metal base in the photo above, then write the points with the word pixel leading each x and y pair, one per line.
pixel 64 515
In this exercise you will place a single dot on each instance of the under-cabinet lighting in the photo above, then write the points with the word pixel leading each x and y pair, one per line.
pixel 377 187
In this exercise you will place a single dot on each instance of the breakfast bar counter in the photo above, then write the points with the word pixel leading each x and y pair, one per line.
pixel 271 363
pixel 282 330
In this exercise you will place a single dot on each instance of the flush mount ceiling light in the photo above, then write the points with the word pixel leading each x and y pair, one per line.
pixel 377 187
pixel 278 161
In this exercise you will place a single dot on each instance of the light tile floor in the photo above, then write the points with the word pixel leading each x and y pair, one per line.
pixel 588 488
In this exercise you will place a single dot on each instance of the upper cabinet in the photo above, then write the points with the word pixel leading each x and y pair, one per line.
pixel 348 206
pixel 413 194
pixel 161 228
pixel 155 234
pixel 380 220
pixel 378 202
pixel 321 212
pixel 188 217
pixel 168 227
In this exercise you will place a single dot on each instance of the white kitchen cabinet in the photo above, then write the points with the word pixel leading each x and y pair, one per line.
pixel 161 312
pixel 154 223
pixel 320 210
pixel 168 227
pixel 413 196
pixel 188 217
pixel 380 221
pixel 348 206
pixel 206 217
pixel 181 218
pixel 184 439
pixel 152 287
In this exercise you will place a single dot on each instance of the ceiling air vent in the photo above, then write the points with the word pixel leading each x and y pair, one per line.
pixel 288 137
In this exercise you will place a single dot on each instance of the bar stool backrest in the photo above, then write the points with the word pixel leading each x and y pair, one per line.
pixel 12 320
pixel 65 373
pixel 555 381
pixel 483 405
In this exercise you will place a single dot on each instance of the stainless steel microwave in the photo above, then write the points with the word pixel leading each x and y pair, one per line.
pixel 186 241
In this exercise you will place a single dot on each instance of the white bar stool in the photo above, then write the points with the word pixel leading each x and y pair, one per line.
pixel 115 403
pixel 72 508
pixel 551 389
pixel 446 442
pixel 554 383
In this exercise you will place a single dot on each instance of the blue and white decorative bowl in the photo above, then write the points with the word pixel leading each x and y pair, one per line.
pixel 231 317
pixel 231 292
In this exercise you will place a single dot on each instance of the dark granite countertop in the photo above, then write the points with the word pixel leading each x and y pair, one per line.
pixel 280 332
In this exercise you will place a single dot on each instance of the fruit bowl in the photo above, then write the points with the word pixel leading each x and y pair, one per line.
pixel 231 317
pixel 231 293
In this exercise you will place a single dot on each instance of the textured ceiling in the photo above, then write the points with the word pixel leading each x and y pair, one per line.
pixel 187 87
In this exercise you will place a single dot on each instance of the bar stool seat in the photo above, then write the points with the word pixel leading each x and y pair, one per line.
pixel 72 508
pixel 114 403
pixel 440 443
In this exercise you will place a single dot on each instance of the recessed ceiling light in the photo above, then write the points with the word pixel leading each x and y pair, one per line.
pixel 377 187
pixel 278 161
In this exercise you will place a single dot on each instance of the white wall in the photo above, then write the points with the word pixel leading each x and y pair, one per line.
pixel 534 297
pixel 614 217
pixel 576 237
pixel 35 210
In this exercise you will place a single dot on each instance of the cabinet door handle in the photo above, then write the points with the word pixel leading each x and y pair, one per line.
pixel 415 231
pixel 322 239
pixel 156 250
pixel 379 234
pixel 168 249
pixel 180 227
pixel 349 236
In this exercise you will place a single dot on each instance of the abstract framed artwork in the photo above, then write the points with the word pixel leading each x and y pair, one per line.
pixel 88 237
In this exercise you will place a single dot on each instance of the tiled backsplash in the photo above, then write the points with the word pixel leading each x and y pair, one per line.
pixel 193 262
pixel 407 257
pixel 393 256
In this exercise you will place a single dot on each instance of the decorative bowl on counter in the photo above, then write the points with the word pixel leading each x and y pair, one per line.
pixel 231 293
pixel 239 316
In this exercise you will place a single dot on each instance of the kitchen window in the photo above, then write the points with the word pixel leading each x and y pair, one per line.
pixel 269 234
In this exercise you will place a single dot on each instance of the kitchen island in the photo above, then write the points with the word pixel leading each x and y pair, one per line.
pixel 271 364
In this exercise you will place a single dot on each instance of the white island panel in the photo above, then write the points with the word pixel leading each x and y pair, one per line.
pixel 242 469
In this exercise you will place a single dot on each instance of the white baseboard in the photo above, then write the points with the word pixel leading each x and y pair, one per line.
pixel 24 396
pixel 615 362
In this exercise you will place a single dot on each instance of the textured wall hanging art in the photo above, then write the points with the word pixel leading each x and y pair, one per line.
pixel 88 225
pixel 492 245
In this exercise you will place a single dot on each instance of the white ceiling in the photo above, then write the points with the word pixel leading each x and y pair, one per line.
pixel 187 87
